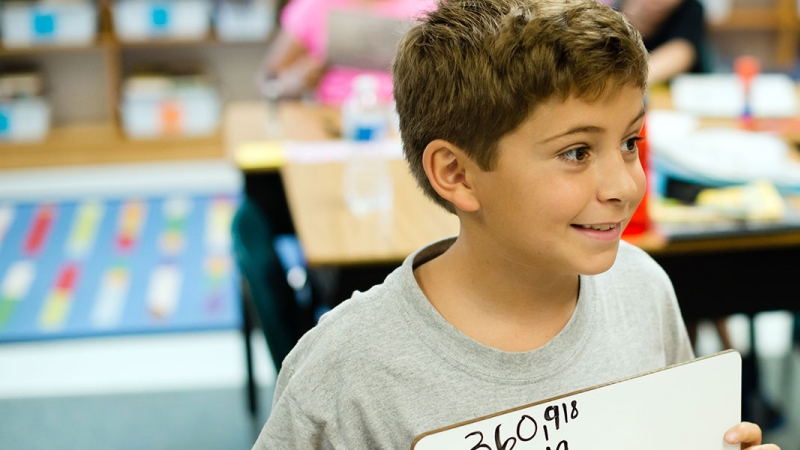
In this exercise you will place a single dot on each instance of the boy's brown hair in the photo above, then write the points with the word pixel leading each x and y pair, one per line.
pixel 474 70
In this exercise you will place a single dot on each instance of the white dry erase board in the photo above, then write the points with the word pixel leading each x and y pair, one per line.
pixel 688 406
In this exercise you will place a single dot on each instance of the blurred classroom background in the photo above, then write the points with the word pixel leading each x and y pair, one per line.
pixel 174 213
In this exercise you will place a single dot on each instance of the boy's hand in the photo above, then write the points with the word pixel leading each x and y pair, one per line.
pixel 749 436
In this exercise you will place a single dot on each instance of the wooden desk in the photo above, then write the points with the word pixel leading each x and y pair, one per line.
pixel 331 235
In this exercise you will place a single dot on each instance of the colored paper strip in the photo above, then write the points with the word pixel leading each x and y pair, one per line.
pixel 39 230
pixel 6 219
pixel 84 229
pixel 163 291
pixel 14 288
pixel 219 217
pixel 130 224
pixel 110 301
pixel 58 303
pixel 216 269
pixel 172 240
pixel 18 280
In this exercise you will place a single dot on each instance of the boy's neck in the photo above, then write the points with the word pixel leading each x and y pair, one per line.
pixel 498 303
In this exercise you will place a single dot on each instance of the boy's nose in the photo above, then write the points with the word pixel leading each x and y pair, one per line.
pixel 618 180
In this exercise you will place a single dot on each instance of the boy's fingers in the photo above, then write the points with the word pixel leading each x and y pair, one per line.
pixel 746 433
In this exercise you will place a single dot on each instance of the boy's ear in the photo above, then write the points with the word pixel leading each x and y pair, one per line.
pixel 450 171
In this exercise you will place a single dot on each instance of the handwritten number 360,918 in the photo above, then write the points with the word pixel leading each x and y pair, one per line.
pixel 551 414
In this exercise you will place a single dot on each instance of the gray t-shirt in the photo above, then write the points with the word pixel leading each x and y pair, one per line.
pixel 385 366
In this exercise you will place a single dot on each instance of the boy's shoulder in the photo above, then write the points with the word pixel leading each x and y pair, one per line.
pixel 348 322
pixel 631 258
pixel 635 275
pixel 359 326
pixel 365 329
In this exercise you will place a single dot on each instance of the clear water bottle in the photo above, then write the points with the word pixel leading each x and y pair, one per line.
pixel 364 116
pixel 367 182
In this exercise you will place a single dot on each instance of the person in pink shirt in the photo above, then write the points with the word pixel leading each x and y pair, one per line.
pixel 297 61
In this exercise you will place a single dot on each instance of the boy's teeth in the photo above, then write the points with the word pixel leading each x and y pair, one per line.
pixel 599 227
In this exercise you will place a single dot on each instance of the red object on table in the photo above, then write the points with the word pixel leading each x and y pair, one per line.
pixel 640 222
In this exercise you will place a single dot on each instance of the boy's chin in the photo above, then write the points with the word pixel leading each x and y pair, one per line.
pixel 598 263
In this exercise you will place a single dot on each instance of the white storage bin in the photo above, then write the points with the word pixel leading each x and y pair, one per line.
pixel 244 21
pixel 139 20
pixel 185 111
pixel 24 120
pixel 36 23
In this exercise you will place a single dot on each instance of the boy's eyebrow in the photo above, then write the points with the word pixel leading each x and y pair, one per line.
pixel 591 128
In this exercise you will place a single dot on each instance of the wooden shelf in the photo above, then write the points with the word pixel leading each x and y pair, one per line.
pixel 209 40
pixel 103 143
pixel 749 19
pixel 107 40
pixel 780 18
pixel 104 40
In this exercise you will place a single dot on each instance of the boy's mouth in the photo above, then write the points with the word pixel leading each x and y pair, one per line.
pixel 598 227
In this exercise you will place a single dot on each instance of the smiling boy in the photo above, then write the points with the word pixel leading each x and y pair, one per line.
pixel 521 117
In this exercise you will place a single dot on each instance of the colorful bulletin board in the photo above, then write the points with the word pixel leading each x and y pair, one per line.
pixel 117 266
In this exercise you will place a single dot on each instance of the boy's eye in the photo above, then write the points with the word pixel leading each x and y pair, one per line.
pixel 630 144
pixel 576 154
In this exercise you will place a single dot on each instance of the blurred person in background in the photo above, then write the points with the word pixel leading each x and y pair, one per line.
pixel 296 62
pixel 674 32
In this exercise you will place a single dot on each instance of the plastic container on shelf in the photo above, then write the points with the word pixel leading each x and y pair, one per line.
pixel 142 20
pixel 237 21
pixel 21 83
pixel 26 24
pixel 155 107
pixel 24 119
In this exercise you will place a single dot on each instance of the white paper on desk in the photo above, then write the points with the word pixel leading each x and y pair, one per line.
pixel 722 95
pixel 664 125
pixel 726 156
pixel 314 152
